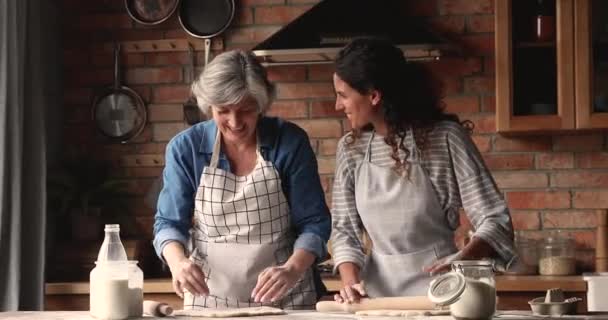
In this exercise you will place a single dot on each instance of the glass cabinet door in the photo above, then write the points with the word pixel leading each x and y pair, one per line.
pixel 534 65
pixel 591 20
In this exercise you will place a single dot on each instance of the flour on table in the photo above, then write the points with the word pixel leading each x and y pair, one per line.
pixel 402 313
pixel 231 312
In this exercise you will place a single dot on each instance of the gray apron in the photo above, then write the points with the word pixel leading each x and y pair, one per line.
pixel 405 223
pixel 242 226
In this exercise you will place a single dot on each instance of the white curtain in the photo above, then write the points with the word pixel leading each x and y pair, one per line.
pixel 27 90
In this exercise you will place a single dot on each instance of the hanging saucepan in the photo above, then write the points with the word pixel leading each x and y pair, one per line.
pixel 206 19
pixel 119 112
pixel 150 12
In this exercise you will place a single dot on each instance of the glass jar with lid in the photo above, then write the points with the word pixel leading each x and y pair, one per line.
pixel 527 256
pixel 469 290
pixel 556 255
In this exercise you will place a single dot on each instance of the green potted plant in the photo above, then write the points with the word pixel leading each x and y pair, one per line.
pixel 80 191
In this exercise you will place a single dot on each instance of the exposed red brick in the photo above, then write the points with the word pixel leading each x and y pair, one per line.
pixel 478 44
pixel 525 220
pixel 521 180
pixel 327 147
pixel 321 128
pixel 538 199
pixel 150 148
pixel 461 104
pixel 153 75
pixel 580 179
pixel 303 1
pixel 592 199
pixel 252 35
pixel 244 16
pixel 569 219
pixel 321 72
pixel 488 104
pixel 480 23
pixel 144 136
pixel 483 143
pixel 75 58
pixel 592 160
pixel 168 59
pixel 480 84
pixel 289 109
pixel 77 114
pixel 454 66
pixel 484 123
pixel 447 7
pixel 325 109
pixel 451 85
pixel 287 73
pixel 165 131
pixel 250 3
pixel 77 95
pixel 448 24
pixel 278 14
pixel 171 94
pixel 165 112
pixel 88 77
pixel 103 21
pixel 579 142
pixel 555 160
pixel 327 165
pixel 509 161
pixel 489 65
pixel 142 160
pixel 304 90
pixel 527 143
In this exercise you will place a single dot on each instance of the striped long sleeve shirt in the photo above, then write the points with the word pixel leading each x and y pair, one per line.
pixel 459 178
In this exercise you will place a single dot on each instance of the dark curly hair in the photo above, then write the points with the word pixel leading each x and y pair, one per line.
pixel 410 97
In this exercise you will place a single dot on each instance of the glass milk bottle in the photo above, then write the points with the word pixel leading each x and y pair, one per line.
pixel 136 290
pixel 109 280
pixel 469 290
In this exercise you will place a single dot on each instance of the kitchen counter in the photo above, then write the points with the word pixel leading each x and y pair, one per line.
pixel 513 292
pixel 503 284
pixel 291 315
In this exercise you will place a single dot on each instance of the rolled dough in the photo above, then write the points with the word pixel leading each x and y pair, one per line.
pixel 230 312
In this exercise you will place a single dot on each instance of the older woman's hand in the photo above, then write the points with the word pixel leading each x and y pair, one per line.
pixel 274 283
pixel 187 275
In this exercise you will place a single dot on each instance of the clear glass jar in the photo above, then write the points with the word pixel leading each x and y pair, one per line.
pixel 136 289
pixel 556 255
pixel 478 299
pixel 527 256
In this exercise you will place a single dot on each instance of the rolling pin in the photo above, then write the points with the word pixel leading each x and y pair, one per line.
pixel 388 303
pixel 157 309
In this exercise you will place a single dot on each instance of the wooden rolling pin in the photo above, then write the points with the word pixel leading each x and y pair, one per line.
pixel 389 303
pixel 157 309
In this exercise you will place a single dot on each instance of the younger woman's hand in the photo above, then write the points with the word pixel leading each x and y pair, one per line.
pixel 351 293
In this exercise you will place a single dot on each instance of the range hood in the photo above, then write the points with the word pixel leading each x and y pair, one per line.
pixel 317 35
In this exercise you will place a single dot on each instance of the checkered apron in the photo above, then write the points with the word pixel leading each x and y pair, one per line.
pixel 242 226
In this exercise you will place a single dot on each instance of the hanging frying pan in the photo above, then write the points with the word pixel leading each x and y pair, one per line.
pixel 119 112
pixel 206 19
pixel 150 12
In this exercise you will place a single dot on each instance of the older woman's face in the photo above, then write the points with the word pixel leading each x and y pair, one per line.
pixel 237 122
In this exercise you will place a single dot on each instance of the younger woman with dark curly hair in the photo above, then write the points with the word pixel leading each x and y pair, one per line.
pixel 402 174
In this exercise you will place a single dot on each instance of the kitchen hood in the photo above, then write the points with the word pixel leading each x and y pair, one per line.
pixel 317 35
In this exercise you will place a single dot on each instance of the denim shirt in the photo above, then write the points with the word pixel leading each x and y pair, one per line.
pixel 282 143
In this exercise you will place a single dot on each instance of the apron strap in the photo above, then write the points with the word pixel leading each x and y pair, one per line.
pixel 216 150
pixel 368 153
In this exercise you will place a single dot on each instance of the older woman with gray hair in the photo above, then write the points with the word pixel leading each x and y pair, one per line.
pixel 241 217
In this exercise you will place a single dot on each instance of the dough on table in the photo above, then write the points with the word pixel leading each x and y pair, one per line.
pixel 402 313
pixel 231 312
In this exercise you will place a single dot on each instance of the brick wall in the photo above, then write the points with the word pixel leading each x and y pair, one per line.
pixel 550 181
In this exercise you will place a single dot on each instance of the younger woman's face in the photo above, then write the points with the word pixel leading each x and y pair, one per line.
pixel 359 108
pixel 237 122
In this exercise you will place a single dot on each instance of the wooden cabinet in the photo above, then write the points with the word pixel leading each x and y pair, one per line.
pixel 551 65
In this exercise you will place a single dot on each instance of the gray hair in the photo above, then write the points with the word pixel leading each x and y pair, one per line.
pixel 230 78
